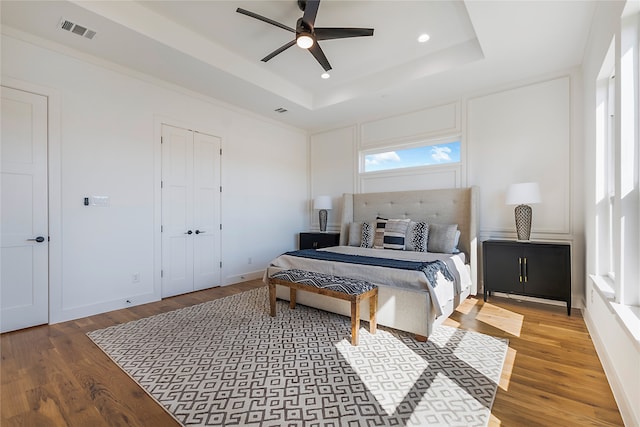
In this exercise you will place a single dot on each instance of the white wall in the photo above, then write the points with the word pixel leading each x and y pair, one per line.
pixel 332 156
pixel 616 347
pixel 524 131
pixel 109 145
pixel 531 133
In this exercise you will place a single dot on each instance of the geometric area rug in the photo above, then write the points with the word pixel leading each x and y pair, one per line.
pixel 226 362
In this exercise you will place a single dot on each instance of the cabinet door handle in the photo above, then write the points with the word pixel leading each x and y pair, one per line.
pixel 520 268
pixel 526 270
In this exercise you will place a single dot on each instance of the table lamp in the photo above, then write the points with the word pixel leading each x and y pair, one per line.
pixel 322 203
pixel 523 194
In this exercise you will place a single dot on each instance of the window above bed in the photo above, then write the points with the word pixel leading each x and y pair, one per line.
pixel 421 155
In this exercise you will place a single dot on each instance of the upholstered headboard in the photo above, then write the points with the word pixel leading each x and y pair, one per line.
pixel 446 206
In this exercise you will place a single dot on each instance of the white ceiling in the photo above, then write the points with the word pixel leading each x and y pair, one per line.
pixel 207 47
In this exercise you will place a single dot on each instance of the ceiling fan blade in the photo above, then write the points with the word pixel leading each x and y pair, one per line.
pixel 310 12
pixel 341 33
pixel 317 53
pixel 264 19
pixel 278 51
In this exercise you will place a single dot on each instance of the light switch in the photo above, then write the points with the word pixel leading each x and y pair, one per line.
pixel 100 201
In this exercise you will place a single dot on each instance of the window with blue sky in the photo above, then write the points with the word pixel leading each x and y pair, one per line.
pixel 426 155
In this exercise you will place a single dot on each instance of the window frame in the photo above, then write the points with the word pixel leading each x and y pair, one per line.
pixel 423 142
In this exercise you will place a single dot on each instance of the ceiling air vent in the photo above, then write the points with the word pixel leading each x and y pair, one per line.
pixel 77 29
pixel 280 110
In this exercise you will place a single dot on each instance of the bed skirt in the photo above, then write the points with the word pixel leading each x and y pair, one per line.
pixel 401 309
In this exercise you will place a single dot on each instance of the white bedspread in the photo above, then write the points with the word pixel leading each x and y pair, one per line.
pixel 443 291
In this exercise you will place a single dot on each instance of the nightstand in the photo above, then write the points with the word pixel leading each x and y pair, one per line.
pixel 534 269
pixel 317 240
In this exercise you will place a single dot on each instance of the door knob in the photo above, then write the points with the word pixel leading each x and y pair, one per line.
pixel 199 231
pixel 38 239
pixel 189 232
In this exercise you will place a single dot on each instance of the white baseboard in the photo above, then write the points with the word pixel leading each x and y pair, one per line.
pixel 238 278
pixel 624 406
pixel 103 307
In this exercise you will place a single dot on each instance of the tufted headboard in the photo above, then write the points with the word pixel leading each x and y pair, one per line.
pixel 445 206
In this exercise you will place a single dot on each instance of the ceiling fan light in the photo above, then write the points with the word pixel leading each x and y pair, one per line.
pixel 305 41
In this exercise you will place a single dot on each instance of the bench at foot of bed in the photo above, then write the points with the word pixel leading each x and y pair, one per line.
pixel 344 288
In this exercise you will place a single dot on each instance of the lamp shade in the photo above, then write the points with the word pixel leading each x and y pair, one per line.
pixel 524 193
pixel 322 202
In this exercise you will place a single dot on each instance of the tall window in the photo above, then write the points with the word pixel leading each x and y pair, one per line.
pixel 617 166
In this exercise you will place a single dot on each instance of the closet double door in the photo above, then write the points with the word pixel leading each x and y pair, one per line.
pixel 190 229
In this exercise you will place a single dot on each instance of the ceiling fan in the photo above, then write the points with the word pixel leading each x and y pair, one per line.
pixel 307 36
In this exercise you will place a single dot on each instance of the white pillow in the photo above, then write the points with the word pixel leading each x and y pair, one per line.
pixel 355 234
pixel 442 238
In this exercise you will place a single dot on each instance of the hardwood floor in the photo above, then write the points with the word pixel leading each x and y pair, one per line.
pixel 55 376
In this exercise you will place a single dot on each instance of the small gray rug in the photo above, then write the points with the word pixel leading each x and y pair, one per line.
pixel 228 363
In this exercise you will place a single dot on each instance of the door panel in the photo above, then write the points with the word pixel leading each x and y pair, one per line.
pixel 24 286
pixel 206 265
pixel 502 271
pixel 190 211
pixel 177 199
pixel 547 271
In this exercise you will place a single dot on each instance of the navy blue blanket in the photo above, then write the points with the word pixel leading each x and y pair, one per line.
pixel 430 269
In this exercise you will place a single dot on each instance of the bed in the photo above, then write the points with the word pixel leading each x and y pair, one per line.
pixel 409 299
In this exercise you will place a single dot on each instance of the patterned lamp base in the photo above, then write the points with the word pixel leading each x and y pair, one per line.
pixel 523 221
pixel 323 219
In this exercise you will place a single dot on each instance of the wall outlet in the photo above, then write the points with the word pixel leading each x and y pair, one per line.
pixel 135 278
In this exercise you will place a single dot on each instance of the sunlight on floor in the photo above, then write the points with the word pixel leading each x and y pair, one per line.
pixel 384 371
pixel 451 322
pixel 467 305
pixel 400 378
pixel 507 369
pixel 466 350
pixel 494 421
pixel 501 318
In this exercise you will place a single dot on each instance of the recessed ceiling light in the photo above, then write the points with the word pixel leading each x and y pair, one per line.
pixel 325 75
pixel 424 38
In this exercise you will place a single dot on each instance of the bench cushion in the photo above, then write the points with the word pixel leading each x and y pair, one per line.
pixel 342 284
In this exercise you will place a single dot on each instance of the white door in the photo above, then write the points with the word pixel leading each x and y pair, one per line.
pixel 190 211
pixel 206 212
pixel 24 282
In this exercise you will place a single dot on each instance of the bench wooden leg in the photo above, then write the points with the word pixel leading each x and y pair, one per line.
pixel 373 309
pixel 355 321
pixel 292 298
pixel 272 299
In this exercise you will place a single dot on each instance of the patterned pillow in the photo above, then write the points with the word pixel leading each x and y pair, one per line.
pixel 442 238
pixel 417 236
pixel 378 238
pixel 368 231
pixel 394 234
